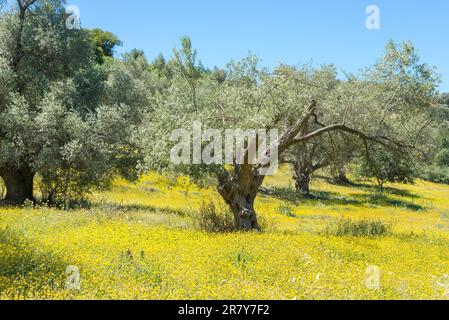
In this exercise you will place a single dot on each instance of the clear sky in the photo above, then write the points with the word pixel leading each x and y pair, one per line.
pixel 289 31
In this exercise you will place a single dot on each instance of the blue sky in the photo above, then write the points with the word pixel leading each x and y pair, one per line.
pixel 289 31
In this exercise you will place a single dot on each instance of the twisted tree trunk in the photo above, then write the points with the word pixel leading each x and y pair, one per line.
pixel 239 190
pixel 19 184
pixel 302 178
pixel 341 177
pixel 239 187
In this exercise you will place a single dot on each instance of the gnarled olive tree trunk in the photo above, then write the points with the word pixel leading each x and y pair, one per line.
pixel 302 178
pixel 303 174
pixel 239 186
pixel 239 190
pixel 340 176
pixel 19 184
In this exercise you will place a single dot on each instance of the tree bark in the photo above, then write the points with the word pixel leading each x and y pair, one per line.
pixel 302 179
pixel 19 185
pixel 239 190
pixel 240 186
pixel 341 177
pixel 18 55
pixel 380 184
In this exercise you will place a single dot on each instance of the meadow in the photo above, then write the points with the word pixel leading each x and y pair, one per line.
pixel 139 241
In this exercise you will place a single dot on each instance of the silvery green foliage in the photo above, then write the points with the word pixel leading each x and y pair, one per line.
pixel 390 102
pixel 78 151
pixel 131 82
pixel 55 114
pixel 394 98
pixel 6 82
pixel 249 99
pixel 386 166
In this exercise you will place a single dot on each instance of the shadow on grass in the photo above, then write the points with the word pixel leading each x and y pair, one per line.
pixel 7 204
pixel 372 198
pixel 20 260
pixel 385 201
pixel 369 187
pixel 126 208
pixel 290 195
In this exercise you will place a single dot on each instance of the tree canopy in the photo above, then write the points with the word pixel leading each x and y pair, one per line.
pixel 105 43
pixel 53 117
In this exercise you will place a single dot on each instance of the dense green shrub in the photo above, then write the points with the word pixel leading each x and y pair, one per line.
pixel 359 228
pixel 212 218
pixel 436 174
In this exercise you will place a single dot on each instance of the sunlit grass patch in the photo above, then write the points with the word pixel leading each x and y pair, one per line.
pixel 140 241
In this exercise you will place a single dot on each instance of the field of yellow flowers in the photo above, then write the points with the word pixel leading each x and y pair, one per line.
pixel 138 241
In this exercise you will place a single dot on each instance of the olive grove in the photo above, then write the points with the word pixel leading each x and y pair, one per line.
pixel 389 104
pixel 73 116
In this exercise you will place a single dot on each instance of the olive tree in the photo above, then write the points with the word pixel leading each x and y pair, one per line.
pixel 31 42
pixel 332 151
pixel 386 166
pixel 55 118
pixel 387 104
